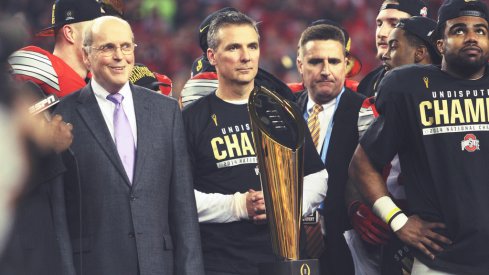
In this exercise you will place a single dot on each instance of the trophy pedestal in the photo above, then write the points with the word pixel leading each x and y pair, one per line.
pixel 298 267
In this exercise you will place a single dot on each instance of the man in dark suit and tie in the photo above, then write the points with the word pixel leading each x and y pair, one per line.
pixel 136 194
pixel 331 111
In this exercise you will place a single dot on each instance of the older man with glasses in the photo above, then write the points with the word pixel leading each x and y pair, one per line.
pixel 137 201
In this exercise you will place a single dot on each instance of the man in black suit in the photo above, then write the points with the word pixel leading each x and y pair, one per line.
pixel 137 200
pixel 322 63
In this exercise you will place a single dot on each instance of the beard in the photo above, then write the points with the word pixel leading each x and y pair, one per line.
pixel 464 65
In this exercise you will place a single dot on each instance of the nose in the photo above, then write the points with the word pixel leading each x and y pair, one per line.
pixel 117 53
pixel 325 70
pixel 471 36
pixel 245 56
pixel 382 30
pixel 387 55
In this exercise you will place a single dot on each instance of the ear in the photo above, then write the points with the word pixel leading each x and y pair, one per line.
pixel 68 33
pixel 420 54
pixel 440 45
pixel 211 56
pixel 86 59
pixel 298 62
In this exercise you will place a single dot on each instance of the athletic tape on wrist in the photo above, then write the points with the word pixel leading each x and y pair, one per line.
pixel 388 211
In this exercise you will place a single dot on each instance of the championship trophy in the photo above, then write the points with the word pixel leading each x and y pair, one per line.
pixel 278 133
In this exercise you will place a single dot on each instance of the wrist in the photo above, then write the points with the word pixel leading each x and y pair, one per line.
pixel 352 207
pixel 240 209
pixel 390 213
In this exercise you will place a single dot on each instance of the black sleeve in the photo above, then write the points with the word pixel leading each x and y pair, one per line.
pixel 384 138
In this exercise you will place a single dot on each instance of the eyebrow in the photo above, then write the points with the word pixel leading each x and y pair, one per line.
pixel 389 19
pixel 479 25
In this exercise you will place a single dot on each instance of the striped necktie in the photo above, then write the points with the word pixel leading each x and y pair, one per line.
pixel 313 123
pixel 315 244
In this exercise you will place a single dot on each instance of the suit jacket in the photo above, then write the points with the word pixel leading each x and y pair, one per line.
pixel 344 139
pixel 149 227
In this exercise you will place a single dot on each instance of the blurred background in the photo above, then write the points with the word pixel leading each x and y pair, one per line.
pixel 166 31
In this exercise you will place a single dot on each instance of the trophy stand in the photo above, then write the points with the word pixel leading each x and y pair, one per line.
pixel 295 267
pixel 278 133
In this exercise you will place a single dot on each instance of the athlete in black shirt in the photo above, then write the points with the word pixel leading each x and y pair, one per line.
pixel 436 119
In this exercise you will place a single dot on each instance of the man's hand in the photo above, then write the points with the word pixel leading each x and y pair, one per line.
pixel 419 234
pixel 371 229
pixel 255 204
pixel 61 134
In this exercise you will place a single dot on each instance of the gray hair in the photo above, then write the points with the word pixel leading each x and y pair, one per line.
pixel 225 19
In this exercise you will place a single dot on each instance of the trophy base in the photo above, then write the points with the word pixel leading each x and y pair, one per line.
pixel 297 267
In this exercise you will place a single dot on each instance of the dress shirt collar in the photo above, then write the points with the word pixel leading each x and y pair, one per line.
pixel 102 93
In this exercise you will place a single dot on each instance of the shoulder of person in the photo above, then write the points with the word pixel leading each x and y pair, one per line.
pixel 151 95
pixel 198 106
pixel 350 93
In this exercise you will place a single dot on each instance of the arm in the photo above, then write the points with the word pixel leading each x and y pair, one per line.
pixel 413 230
pixel 370 228
pixel 221 208
pixel 314 191
pixel 365 177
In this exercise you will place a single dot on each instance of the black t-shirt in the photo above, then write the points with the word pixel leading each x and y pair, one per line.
pixel 370 83
pixel 224 161
pixel 439 125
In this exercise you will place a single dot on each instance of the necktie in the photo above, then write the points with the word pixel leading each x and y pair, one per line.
pixel 315 243
pixel 313 123
pixel 124 140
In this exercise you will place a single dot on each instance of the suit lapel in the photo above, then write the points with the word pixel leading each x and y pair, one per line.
pixel 143 121
pixel 93 118
pixel 341 122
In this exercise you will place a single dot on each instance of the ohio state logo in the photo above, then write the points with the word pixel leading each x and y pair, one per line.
pixel 470 143
pixel 423 12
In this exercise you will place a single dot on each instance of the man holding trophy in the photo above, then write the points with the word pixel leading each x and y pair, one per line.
pixel 235 238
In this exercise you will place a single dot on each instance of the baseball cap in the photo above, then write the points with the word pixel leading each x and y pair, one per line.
pixel 201 64
pixel 421 27
pixel 204 27
pixel 141 75
pixel 455 8
pixel 113 7
pixel 72 11
pixel 413 7
pixel 354 65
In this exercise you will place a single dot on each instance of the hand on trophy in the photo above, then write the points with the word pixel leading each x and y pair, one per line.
pixel 255 204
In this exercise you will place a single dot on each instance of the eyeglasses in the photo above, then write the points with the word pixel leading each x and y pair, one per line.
pixel 111 49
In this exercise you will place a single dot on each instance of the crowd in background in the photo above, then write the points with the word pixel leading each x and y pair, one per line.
pixel 167 31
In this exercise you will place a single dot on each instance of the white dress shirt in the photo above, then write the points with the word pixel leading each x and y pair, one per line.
pixel 107 107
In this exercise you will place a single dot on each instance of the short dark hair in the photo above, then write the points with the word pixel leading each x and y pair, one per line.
pixel 413 40
pixel 322 32
pixel 225 19
pixel 416 42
